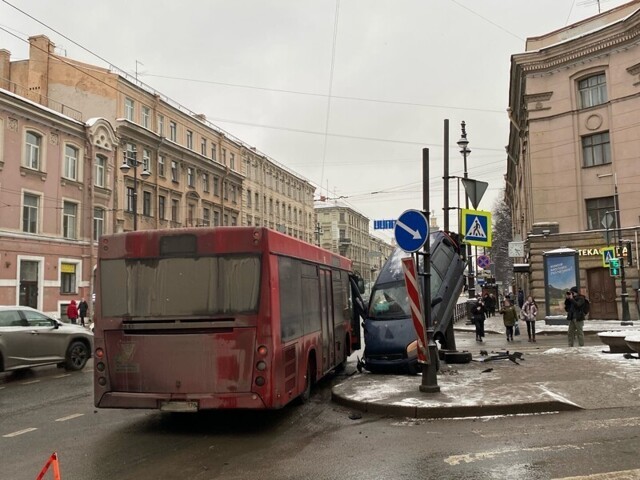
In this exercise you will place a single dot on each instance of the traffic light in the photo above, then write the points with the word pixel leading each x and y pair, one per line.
pixel 614 267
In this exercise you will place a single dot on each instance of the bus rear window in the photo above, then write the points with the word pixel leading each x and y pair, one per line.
pixel 180 286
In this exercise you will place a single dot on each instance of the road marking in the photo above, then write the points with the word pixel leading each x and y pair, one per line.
pixel 491 454
pixel 19 432
pixel 69 417
pixel 30 382
pixel 621 475
pixel 62 375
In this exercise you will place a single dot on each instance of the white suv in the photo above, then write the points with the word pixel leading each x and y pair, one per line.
pixel 29 338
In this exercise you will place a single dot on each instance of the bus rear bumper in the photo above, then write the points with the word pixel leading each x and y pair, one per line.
pixel 172 403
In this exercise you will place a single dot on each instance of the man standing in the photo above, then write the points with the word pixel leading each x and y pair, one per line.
pixel 83 307
pixel 576 316
pixel 520 298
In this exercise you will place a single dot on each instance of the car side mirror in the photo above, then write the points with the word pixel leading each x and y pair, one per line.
pixel 56 324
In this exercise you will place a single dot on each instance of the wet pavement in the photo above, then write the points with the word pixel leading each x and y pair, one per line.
pixel 550 377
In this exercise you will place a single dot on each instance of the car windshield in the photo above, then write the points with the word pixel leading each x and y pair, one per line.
pixel 389 301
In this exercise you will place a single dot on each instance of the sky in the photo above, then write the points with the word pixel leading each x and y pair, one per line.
pixel 345 93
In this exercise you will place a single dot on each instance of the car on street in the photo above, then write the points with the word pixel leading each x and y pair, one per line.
pixel 30 338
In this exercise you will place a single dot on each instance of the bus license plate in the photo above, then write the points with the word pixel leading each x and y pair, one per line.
pixel 179 406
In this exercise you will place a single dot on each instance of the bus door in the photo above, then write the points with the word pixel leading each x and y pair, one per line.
pixel 326 311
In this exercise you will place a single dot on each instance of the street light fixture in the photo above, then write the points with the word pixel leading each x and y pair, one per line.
pixel 463 143
pixel 129 161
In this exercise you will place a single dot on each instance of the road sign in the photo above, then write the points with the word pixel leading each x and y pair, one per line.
pixel 411 230
pixel 475 190
pixel 476 227
pixel 410 276
pixel 607 254
pixel 383 224
pixel 614 267
pixel 483 262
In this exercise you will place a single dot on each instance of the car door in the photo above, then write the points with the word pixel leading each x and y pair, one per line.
pixel 47 342
pixel 14 339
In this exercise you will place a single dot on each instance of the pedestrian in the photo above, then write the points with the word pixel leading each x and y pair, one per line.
pixel 509 317
pixel 492 307
pixel 72 312
pixel 578 308
pixel 520 298
pixel 529 312
pixel 478 317
pixel 83 307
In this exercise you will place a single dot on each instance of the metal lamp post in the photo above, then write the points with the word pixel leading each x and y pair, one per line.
pixel 620 245
pixel 129 161
pixel 463 143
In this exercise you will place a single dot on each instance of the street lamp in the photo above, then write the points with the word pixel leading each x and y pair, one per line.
pixel 463 143
pixel 129 161
pixel 623 282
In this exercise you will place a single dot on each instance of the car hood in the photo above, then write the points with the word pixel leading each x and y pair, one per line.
pixel 69 327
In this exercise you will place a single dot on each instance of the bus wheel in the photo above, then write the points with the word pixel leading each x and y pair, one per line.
pixel 306 394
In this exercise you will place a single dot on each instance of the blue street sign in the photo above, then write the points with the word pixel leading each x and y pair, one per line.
pixel 383 224
pixel 411 230
pixel 483 262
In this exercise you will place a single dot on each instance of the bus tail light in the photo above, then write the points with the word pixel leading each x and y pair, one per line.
pixel 99 353
pixel 262 350
pixel 260 381
pixel 102 381
pixel 100 366
pixel 261 366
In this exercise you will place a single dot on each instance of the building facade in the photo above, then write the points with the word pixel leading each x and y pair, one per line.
pixel 182 169
pixel 56 194
pixel 572 175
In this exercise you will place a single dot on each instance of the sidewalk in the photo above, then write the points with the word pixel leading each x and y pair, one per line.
pixel 546 380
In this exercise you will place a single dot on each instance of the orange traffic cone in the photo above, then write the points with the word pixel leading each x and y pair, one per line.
pixel 53 460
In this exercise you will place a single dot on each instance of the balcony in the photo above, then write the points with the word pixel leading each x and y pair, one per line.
pixel 344 241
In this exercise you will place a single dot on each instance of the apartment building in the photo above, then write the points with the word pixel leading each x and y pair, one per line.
pixel 182 169
pixel 572 177
pixel 56 195
pixel 345 231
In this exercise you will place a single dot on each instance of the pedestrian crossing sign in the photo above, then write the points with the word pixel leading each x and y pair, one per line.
pixel 476 227
pixel 607 254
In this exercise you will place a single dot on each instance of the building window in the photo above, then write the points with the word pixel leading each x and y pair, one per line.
pixel 98 223
pixel 161 125
pixel 225 190
pixel 189 139
pixel 173 131
pixel 30 208
pixel 596 149
pixel 130 199
pixel 190 177
pixel 216 219
pixel 161 162
pixel 257 203
pixel 213 152
pixel 146 117
pixel 174 171
pixel 216 186
pixel 593 90
pixel 232 161
pixel 249 198
pixel 234 194
pixel 224 156
pixel 32 151
pixel 203 147
pixel 175 207
pixel 69 220
pixel 146 203
pixel 191 213
pixel 206 217
pixel 71 162
pixel 67 278
pixel 99 176
pixel 146 160
pixel 205 182
pixel 597 208
pixel 161 207
pixel 128 109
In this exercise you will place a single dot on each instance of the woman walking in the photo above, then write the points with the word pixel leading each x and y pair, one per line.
pixel 529 313
pixel 509 317
pixel 478 317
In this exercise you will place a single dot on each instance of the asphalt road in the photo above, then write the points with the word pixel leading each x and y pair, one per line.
pixel 49 410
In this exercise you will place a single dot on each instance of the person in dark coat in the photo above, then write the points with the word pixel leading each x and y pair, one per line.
pixel 72 312
pixel 478 317
pixel 83 308
pixel 520 298
pixel 576 317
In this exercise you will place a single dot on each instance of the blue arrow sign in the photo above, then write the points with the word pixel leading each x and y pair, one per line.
pixel 411 230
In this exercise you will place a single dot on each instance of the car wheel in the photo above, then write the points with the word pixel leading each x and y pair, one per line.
pixel 77 356
pixel 457 357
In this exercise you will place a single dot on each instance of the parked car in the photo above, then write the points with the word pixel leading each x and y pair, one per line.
pixel 29 338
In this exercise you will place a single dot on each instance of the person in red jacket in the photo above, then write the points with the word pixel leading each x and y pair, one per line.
pixel 72 312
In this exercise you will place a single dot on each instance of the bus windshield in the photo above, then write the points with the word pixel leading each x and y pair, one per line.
pixel 180 286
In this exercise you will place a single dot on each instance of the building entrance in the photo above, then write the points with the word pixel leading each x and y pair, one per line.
pixel 29 283
pixel 602 294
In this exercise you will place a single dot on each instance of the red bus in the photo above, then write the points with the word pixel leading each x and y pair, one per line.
pixel 219 318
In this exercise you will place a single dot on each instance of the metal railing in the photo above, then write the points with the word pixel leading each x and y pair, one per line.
pixel 34 96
